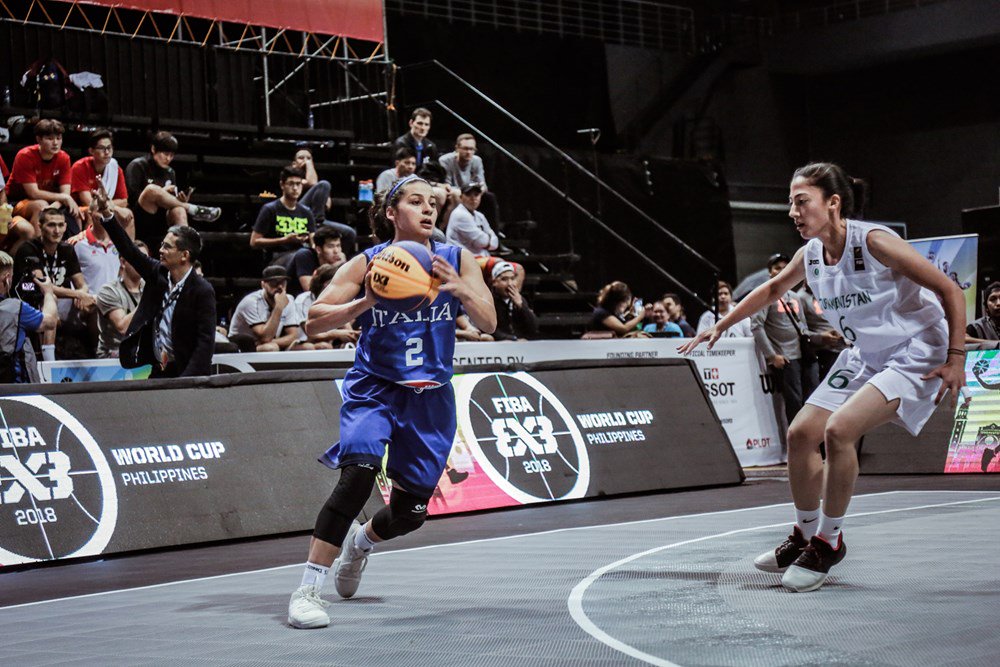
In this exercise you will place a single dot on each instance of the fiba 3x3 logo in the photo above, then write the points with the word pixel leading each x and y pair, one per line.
pixel 522 436
pixel 57 492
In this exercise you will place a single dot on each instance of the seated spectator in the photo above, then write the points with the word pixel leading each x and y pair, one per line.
pixel 265 320
pixel 325 249
pixel 463 167
pixel 676 312
pixel 724 297
pixel 468 228
pixel 416 139
pixel 515 319
pixel 316 197
pixel 406 164
pixel 987 327
pixel 661 325
pixel 345 335
pixel 466 332
pixel 116 304
pixel 18 320
pixel 39 179
pixel 153 195
pixel 284 225
pixel 61 266
pixel 102 168
pixel 615 311
pixel 97 255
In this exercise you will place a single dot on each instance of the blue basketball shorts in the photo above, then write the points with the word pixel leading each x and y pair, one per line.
pixel 418 426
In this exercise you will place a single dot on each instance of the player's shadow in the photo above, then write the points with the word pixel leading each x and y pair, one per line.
pixel 266 605
pixel 671 575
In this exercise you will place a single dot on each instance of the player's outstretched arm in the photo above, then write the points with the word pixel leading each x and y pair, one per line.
pixel 339 303
pixel 470 289
pixel 766 294
pixel 900 256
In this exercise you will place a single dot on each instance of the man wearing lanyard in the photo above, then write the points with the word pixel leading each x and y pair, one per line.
pixel 174 326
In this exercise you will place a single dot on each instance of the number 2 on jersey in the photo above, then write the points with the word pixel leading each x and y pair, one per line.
pixel 414 346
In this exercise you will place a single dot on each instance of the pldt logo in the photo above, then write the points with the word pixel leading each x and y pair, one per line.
pixel 57 493
pixel 523 438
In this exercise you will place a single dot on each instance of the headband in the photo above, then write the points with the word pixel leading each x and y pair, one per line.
pixel 400 183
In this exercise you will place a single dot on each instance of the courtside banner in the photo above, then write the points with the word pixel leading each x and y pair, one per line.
pixel 115 468
pixel 733 374
pixel 547 435
pixel 975 438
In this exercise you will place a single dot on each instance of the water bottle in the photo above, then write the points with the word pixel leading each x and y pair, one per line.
pixel 6 96
pixel 366 191
pixel 311 119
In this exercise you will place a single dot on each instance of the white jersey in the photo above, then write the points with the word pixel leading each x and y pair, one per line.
pixel 873 306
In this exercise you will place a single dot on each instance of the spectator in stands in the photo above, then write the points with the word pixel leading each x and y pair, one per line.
pixel 316 197
pixel 97 255
pixel 469 228
pixel 40 179
pixel 776 331
pixel 266 320
pixel 284 225
pixel 153 195
pixel 515 319
pixel 340 337
pixel 661 325
pixel 325 249
pixel 61 266
pixel 616 311
pixel 405 164
pixel 675 310
pixel 173 328
pixel 416 139
pixel 117 302
pixel 463 167
pixel 987 327
pixel 102 168
pixel 17 320
pixel 466 332
pixel 724 297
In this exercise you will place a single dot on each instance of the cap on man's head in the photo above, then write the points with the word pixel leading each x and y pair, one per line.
pixel 469 188
pixel 500 268
pixel 274 273
pixel 777 257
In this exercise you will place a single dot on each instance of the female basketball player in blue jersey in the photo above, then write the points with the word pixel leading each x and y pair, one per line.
pixel 905 321
pixel 398 394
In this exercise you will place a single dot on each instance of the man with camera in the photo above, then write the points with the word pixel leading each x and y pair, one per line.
pixel 17 320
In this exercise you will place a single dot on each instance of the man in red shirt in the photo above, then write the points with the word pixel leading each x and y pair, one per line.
pixel 101 168
pixel 40 178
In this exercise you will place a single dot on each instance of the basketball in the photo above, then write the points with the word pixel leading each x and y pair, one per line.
pixel 402 277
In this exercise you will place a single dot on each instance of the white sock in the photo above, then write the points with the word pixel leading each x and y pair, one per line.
pixel 192 209
pixel 48 352
pixel 314 575
pixel 362 541
pixel 829 528
pixel 807 521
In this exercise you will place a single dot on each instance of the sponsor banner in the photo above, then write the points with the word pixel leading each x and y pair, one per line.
pixel 733 374
pixel 975 437
pixel 956 257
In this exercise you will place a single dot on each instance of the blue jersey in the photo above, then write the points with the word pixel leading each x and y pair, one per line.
pixel 415 349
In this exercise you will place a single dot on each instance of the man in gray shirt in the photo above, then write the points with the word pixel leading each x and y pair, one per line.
pixel 776 331
pixel 116 304
pixel 463 167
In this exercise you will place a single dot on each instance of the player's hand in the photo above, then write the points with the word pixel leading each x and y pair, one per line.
pixel 451 281
pixel 710 334
pixel 952 374
pixel 369 292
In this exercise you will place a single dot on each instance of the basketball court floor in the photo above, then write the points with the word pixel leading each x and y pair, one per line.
pixel 663 579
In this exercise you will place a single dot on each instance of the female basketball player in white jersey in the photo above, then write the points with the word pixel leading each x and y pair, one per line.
pixel 905 321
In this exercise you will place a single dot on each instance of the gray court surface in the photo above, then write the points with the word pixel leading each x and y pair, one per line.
pixel 919 586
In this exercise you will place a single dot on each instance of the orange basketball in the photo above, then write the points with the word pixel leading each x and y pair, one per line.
pixel 402 277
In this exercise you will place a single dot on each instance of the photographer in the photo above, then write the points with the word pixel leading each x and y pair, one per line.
pixel 17 320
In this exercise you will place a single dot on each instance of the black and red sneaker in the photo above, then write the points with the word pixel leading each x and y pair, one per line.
pixel 786 553
pixel 810 570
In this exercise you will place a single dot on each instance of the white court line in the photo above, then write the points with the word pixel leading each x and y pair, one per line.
pixel 451 544
pixel 575 600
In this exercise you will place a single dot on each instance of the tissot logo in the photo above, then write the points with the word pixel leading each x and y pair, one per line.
pixel 523 437
pixel 57 493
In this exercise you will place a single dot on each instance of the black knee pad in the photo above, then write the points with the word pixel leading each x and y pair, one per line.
pixel 345 503
pixel 404 514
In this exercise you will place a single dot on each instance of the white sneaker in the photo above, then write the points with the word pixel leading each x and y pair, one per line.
pixel 306 609
pixel 349 566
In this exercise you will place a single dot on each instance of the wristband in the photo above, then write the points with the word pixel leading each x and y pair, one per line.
pixel 952 350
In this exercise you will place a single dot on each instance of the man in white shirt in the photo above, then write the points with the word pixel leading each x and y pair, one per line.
pixel 468 227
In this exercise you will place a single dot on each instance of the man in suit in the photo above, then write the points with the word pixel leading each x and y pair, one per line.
pixel 174 326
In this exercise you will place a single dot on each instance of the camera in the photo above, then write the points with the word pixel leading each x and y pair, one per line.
pixel 25 288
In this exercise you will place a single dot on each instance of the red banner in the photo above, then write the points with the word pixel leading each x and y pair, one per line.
pixel 360 19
